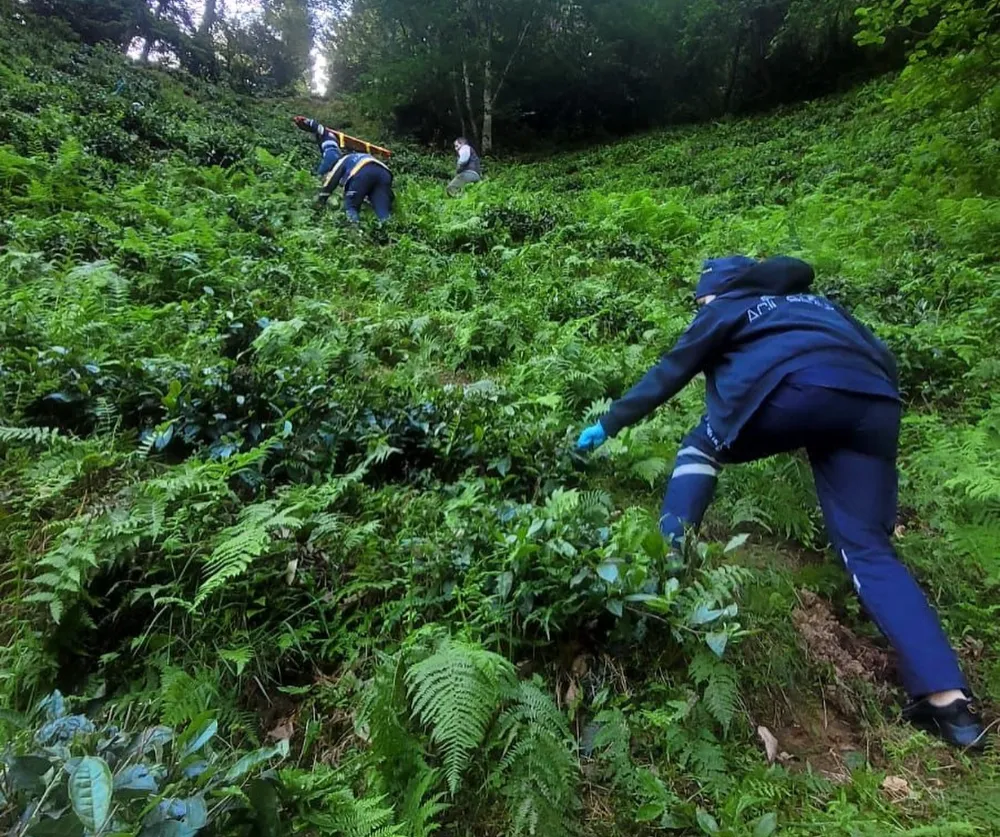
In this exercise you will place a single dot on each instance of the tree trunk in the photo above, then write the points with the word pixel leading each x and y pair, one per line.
pixel 208 19
pixel 490 95
pixel 148 34
pixel 203 58
pixel 734 70
pixel 458 103
pixel 468 101
pixel 487 136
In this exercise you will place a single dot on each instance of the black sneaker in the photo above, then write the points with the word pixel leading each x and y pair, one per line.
pixel 957 723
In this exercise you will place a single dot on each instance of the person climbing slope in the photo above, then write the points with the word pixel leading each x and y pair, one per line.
pixel 362 176
pixel 469 168
pixel 786 369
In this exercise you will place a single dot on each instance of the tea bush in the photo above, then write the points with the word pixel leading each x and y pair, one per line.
pixel 319 482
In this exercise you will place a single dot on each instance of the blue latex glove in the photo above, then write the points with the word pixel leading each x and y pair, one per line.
pixel 592 437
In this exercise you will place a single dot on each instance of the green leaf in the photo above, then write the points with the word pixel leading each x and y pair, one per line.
pixel 66 825
pixel 251 760
pixel 151 738
pixel 766 825
pixel 650 811
pixel 205 734
pixel 736 542
pixel 717 642
pixel 706 822
pixel 505 581
pixel 614 607
pixel 197 812
pixel 263 798
pixel 138 777
pixel 703 614
pixel 27 771
pixel 90 792
pixel 659 604
pixel 173 392
pixel 608 571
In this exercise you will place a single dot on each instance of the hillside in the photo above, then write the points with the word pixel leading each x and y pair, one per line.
pixel 319 483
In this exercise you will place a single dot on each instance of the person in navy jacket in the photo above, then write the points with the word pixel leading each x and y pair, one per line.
pixel 786 369
pixel 361 175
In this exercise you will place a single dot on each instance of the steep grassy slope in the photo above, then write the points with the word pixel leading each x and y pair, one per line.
pixel 249 454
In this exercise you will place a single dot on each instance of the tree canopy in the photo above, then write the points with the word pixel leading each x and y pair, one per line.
pixel 593 65
pixel 521 69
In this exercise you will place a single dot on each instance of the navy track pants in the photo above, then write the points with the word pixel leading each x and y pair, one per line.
pixel 852 441
pixel 372 182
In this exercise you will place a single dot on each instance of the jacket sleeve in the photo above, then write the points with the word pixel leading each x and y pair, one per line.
pixel 337 176
pixel 692 352
pixel 310 125
pixel 882 353
pixel 330 157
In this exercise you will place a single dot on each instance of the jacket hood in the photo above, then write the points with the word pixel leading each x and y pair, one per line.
pixel 777 276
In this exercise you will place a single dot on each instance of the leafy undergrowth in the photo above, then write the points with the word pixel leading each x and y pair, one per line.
pixel 318 483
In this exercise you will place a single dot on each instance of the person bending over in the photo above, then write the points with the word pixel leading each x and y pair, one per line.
pixel 362 176
pixel 786 369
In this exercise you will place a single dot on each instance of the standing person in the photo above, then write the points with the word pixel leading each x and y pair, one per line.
pixel 785 369
pixel 362 176
pixel 468 169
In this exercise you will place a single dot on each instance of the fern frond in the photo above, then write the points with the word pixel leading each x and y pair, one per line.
pixel 31 435
pixel 455 693
pixel 537 772
pixel 395 750
pixel 350 817
pixel 183 697
pixel 703 755
pixel 239 545
pixel 651 470
pixel 420 807
pixel 721 693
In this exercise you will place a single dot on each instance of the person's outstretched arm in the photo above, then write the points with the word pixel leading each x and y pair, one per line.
pixel 676 368
pixel 310 125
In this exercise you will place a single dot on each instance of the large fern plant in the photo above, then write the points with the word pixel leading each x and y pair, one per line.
pixel 484 728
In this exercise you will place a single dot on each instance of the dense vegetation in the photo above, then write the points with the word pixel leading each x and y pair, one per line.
pixel 292 509
pixel 515 71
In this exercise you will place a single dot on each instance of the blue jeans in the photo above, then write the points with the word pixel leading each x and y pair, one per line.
pixel 851 440
pixel 372 182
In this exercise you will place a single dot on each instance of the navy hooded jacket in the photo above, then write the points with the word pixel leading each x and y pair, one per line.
pixel 762 327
